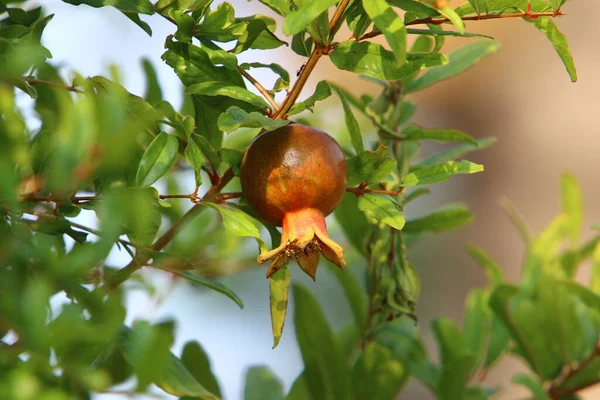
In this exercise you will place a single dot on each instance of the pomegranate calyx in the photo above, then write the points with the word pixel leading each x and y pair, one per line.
pixel 304 236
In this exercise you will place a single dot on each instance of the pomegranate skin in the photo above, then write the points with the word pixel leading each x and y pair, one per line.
pixel 292 168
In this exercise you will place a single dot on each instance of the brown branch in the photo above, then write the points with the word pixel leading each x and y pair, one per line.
pixel 555 392
pixel 32 81
pixel 260 88
pixel 79 199
pixel 310 64
pixel 439 21
pixel 362 189
pixel 143 257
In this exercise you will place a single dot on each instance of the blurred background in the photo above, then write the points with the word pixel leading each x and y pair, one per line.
pixel 544 124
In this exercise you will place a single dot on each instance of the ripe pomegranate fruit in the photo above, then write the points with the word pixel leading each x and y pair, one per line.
pixel 293 177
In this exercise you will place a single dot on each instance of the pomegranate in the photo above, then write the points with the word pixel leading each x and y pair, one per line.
pixel 293 177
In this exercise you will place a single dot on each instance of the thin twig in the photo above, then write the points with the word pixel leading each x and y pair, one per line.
pixel 80 227
pixel 260 88
pixel 359 191
pixel 314 57
pixel 142 259
pixel 439 21
pixel 555 392
pixel 32 81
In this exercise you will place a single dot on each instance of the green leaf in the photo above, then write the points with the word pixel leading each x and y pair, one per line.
pixel 451 343
pixel 258 34
pixel 322 91
pixel 415 132
pixel 262 384
pixel 234 92
pixel 383 208
pixel 236 118
pixel 326 371
pixel 279 285
pixel 377 375
pixel 535 386
pixel 388 22
pixel 219 56
pixel 415 7
pixel 440 172
pixel 517 220
pixel 208 150
pixel 354 293
pixel 282 83
pixel 453 17
pixel 455 377
pixel 446 218
pixel 233 158
pixel 354 223
pixel 477 324
pixel 148 351
pixel 281 7
pixel 490 267
pixel 595 283
pixel 572 206
pixel 157 159
pixel 458 151
pixel 239 223
pixel 402 338
pixel 307 11
pixel 499 340
pixel 136 6
pixel 559 41
pixel 153 93
pixel 351 124
pixel 439 33
pixel 370 167
pixel 458 61
pixel 196 159
pixel 319 28
pixel 216 286
pixel 196 361
pixel 373 60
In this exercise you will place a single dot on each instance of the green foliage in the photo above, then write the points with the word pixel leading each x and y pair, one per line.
pixel 101 151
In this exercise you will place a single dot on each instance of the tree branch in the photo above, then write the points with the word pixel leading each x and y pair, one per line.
pixel 260 88
pixel 316 53
pixel 439 21
pixel 32 81
pixel 360 190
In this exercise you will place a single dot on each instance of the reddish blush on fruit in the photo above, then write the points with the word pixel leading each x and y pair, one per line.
pixel 293 177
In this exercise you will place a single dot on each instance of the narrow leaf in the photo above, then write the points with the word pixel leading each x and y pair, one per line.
pixel 234 92
pixel 458 61
pixel 453 17
pixel 388 22
pixel 322 91
pixel 458 151
pixel 157 159
pixel 383 208
pixel 559 41
pixel 490 267
pixel 440 172
pixel 196 361
pixel 262 384
pixel 216 286
pixel 444 219
pixel 415 132
pixel 351 124
pixel 236 118
pixel 572 206
pixel 306 13
pixel 373 60
pixel 279 285
pixel 326 371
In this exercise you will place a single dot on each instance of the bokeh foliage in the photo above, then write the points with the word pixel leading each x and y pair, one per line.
pixel 75 146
